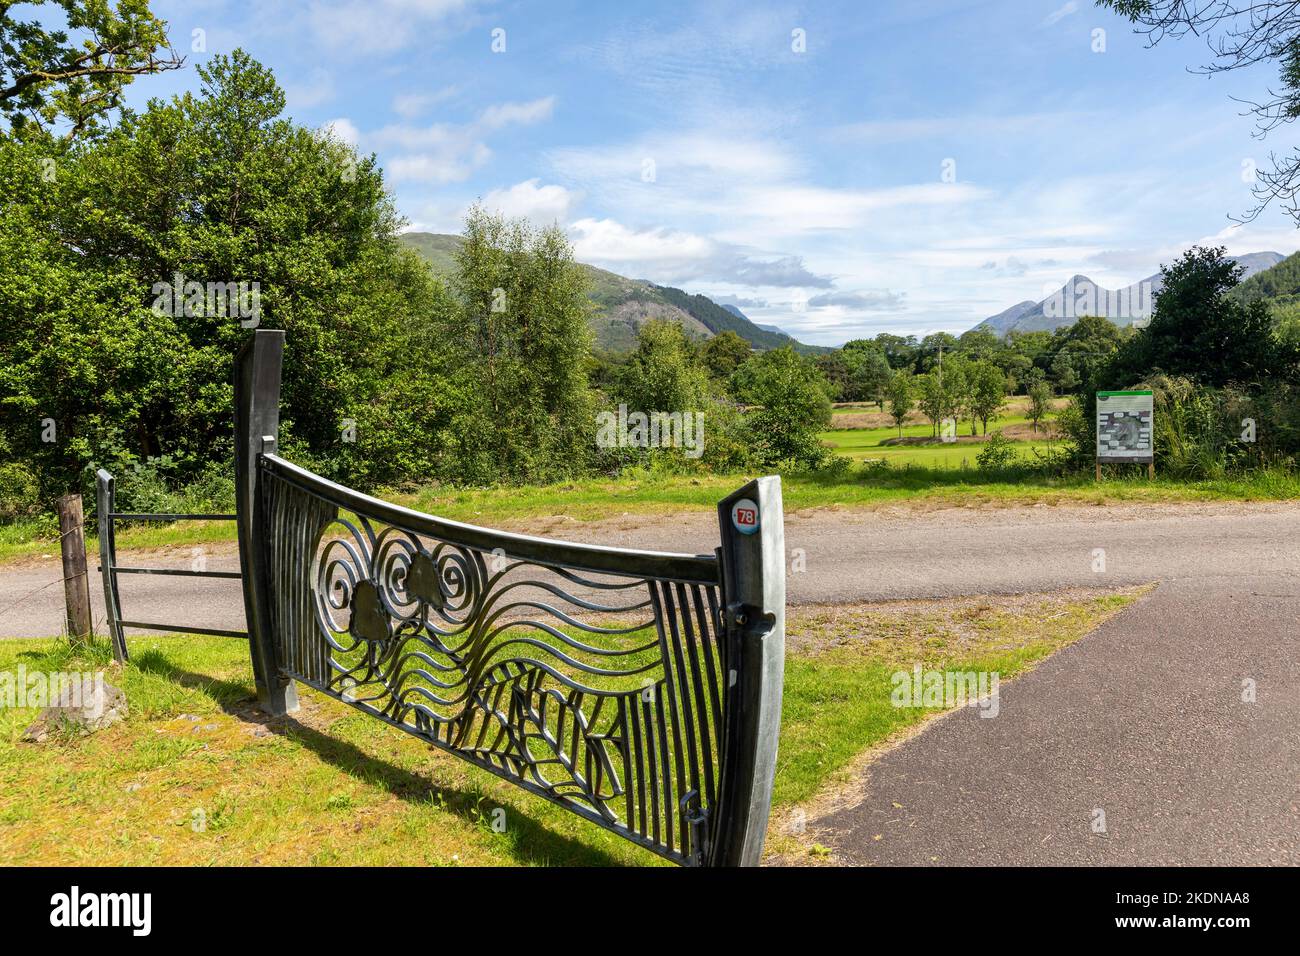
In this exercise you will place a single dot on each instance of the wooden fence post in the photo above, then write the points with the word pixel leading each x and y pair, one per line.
pixel 76 584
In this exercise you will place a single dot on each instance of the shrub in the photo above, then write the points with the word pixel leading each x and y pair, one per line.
pixel 792 406
pixel 20 491
pixel 998 453
pixel 876 468
pixel 836 468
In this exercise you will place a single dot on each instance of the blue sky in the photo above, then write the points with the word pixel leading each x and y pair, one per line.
pixel 916 167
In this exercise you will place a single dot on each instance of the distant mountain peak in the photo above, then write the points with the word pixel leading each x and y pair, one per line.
pixel 1081 296
pixel 622 305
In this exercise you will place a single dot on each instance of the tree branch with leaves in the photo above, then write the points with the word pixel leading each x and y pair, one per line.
pixel 1240 34
pixel 74 75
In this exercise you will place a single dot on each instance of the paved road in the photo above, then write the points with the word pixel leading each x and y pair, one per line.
pixel 846 557
pixel 1142 720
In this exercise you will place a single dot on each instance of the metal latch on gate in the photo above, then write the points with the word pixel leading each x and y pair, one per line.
pixel 697 818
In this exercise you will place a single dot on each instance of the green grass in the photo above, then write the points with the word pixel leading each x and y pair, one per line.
pixel 190 778
pixel 876 442
pixel 837 693
pixel 861 444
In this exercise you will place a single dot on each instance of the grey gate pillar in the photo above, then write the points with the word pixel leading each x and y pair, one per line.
pixel 753 582
pixel 257 430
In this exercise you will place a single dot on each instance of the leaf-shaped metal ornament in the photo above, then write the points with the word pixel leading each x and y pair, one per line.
pixel 370 620
pixel 424 582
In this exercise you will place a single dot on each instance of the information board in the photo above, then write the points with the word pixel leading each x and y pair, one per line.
pixel 1124 426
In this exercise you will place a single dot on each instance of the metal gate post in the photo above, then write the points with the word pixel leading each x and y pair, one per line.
pixel 257 429
pixel 753 585
pixel 105 505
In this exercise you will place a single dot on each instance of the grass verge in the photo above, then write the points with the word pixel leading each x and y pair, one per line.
pixel 193 778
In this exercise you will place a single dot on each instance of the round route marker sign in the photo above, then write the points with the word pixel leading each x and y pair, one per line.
pixel 744 515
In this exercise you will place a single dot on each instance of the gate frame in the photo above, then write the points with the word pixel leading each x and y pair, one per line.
pixel 257 431
pixel 751 582
pixel 107 516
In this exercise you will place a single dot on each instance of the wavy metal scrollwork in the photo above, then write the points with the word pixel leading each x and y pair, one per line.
pixel 599 691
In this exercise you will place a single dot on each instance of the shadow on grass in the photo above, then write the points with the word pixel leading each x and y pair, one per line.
pixel 532 841
pixel 225 693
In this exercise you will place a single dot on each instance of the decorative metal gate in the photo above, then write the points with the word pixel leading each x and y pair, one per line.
pixel 640 690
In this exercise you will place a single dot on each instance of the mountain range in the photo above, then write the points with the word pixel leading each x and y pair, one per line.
pixel 622 304
pixel 1081 296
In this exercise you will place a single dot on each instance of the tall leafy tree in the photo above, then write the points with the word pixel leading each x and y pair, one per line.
pixel 663 374
pixel 791 406
pixel 1040 401
pixel 932 399
pixel 902 396
pixel 901 351
pixel 214 188
pixel 835 367
pixel 988 392
pixel 868 371
pixel 1078 353
pixel 75 75
pixel 528 346
pixel 934 349
pixel 1197 330
pixel 724 353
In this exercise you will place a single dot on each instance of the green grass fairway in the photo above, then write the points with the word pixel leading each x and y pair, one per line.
pixel 864 443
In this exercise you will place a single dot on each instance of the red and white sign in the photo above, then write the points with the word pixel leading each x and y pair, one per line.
pixel 744 515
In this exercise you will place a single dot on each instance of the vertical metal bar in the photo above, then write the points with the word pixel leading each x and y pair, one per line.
pixel 257 429
pixel 679 702
pixel 623 724
pixel 753 585
pixel 105 505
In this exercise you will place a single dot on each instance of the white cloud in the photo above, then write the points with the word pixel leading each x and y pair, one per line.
pixel 343 129
pixel 677 257
pixel 531 200
pixel 753 190
pixel 703 158
pixel 1059 14
pixel 864 300
pixel 450 152
pixel 359 27
pixel 604 240
pixel 509 114
pixel 793 209
pixel 702 58
pixel 411 105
